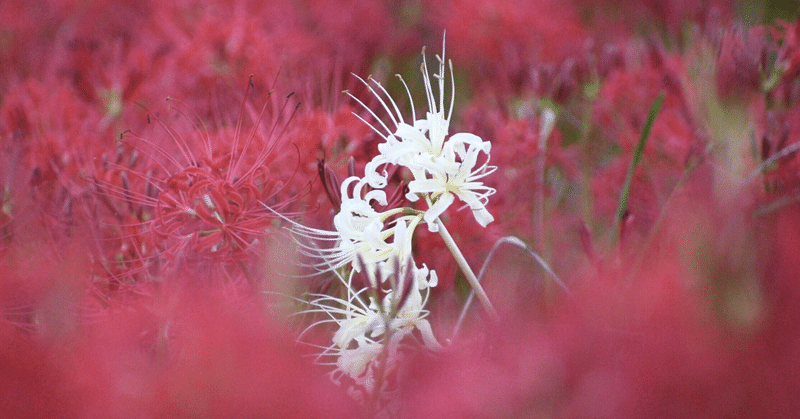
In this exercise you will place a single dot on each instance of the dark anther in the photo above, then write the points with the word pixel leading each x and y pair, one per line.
pixel 330 183
pixel 404 281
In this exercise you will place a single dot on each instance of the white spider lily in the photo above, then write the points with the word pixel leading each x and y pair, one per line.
pixel 388 310
pixel 360 231
pixel 356 237
pixel 367 330
pixel 380 267
pixel 442 185
pixel 371 321
pixel 443 167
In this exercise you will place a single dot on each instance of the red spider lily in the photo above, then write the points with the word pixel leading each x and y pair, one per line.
pixel 326 128
pixel 106 51
pixel 203 195
pixel 741 61
pixel 522 154
pixel 779 171
pixel 56 141
pixel 676 335
pixel 180 353
pixel 677 138
pixel 634 88
pixel 787 64
pixel 228 40
pixel 80 38
pixel 36 381
pixel 50 136
pixel 265 375
pixel 501 39
pixel 668 18
pixel 334 137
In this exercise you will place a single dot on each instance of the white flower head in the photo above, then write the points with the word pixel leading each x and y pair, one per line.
pixel 442 185
pixel 444 167
pixel 369 333
pixel 381 313
pixel 360 231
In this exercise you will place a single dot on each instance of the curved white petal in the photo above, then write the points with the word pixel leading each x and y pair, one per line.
pixel 437 209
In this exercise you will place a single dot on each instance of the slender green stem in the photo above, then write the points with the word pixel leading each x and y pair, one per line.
pixel 471 278
pixel 637 155
pixel 511 240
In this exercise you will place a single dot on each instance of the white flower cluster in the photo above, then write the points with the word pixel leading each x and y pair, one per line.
pixel 442 167
pixel 389 307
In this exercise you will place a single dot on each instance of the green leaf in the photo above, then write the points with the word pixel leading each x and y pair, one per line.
pixel 637 155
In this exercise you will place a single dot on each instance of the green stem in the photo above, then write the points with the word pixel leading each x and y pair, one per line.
pixel 471 278
pixel 637 155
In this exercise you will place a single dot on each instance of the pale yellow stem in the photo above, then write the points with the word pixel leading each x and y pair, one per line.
pixel 471 278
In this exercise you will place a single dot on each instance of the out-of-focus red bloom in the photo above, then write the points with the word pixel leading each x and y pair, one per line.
pixel 336 137
pixel 628 93
pixel 669 18
pixel 214 358
pixel 700 329
pixel 621 110
pixel 502 40
pixel 787 64
pixel 741 63
pixel 53 139
pixel 779 172
pixel 180 353
pixel 518 154
pixel 200 193
pixel 33 384
pixel 353 36
pixel 789 55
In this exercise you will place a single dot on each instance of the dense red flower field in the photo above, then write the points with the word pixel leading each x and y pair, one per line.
pixel 152 155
